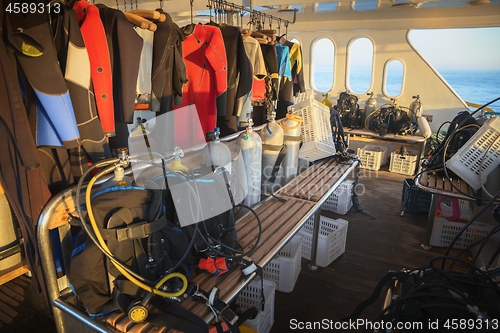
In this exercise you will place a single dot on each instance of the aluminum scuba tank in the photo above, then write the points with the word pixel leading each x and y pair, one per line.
pixel 326 101
pixel 417 110
pixel 291 129
pixel 370 106
pixel 215 153
pixel 272 145
pixel 416 107
pixel 251 149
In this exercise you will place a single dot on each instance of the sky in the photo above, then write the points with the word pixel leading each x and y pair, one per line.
pixel 444 49
pixel 467 49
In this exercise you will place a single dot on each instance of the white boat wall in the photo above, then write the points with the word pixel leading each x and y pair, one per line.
pixel 386 23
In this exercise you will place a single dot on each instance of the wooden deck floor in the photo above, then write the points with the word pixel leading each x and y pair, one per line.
pixel 373 247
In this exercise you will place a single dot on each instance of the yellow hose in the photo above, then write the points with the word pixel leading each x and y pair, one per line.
pixel 487 109
pixel 131 278
pixel 294 117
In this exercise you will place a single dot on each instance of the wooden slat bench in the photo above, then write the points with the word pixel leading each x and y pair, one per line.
pixel 281 220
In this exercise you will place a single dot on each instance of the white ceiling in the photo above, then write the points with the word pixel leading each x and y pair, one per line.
pixel 314 15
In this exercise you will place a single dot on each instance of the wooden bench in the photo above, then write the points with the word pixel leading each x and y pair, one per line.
pixel 281 220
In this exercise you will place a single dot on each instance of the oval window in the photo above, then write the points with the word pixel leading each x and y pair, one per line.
pixel 393 80
pixel 323 54
pixel 360 55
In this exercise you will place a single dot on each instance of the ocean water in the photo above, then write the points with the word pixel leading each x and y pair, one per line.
pixel 478 87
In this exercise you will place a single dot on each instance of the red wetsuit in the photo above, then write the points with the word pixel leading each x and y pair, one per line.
pixel 206 69
pixel 100 64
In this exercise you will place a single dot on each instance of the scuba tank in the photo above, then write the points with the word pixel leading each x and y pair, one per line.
pixel 416 107
pixel 272 146
pixel 251 149
pixel 416 117
pixel 216 154
pixel 370 107
pixel 291 129
pixel 326 101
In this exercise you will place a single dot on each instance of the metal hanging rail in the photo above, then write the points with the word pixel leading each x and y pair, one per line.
pixel 253 13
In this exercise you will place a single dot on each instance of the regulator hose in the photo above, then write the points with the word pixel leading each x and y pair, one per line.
pixel 126 272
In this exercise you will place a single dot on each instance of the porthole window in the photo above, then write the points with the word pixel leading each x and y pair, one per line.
pixel 323 54
pixel 393 78
pixel 326 7
pixel 360 57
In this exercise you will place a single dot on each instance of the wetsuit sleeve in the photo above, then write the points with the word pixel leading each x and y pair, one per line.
pixel 31 38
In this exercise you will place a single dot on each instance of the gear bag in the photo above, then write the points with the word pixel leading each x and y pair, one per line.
pixel 138 234
pixel 390 119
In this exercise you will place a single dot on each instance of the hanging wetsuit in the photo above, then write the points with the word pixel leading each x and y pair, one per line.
pixel 20 173
pixel 168 74
pixel 204 54
pixel 49 106
pixel 75 64
pixel 100 67
pixel 239 78
pixel 285 97
pixel 254 53
pixel 271 60
pixel 260 109
pixel 297 68
pixel 124 48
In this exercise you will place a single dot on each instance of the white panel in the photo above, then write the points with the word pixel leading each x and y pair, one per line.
pixel 78 66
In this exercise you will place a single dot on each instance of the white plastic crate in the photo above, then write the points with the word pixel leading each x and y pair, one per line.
pixel 284 269
pixel 444 231
pixel 372 156
pixel 340 201
pixel 303 96
pixel 404 164
pixel 331 239
pixel 479 156
pixel 316 130
pixel 455 210
pixel 250 296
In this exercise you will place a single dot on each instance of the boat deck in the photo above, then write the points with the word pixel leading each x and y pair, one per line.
pixel 373 247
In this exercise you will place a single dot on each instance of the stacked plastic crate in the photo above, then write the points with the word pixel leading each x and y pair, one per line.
pixel 331 239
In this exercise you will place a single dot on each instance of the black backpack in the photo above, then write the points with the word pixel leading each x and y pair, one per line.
pixel 137 233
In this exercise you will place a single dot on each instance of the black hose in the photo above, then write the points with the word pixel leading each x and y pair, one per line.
pixel 156 252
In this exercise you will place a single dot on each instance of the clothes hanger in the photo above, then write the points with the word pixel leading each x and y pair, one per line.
pixel 282 38
pixel 247 32
pixel 149 14
pixel 142 18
